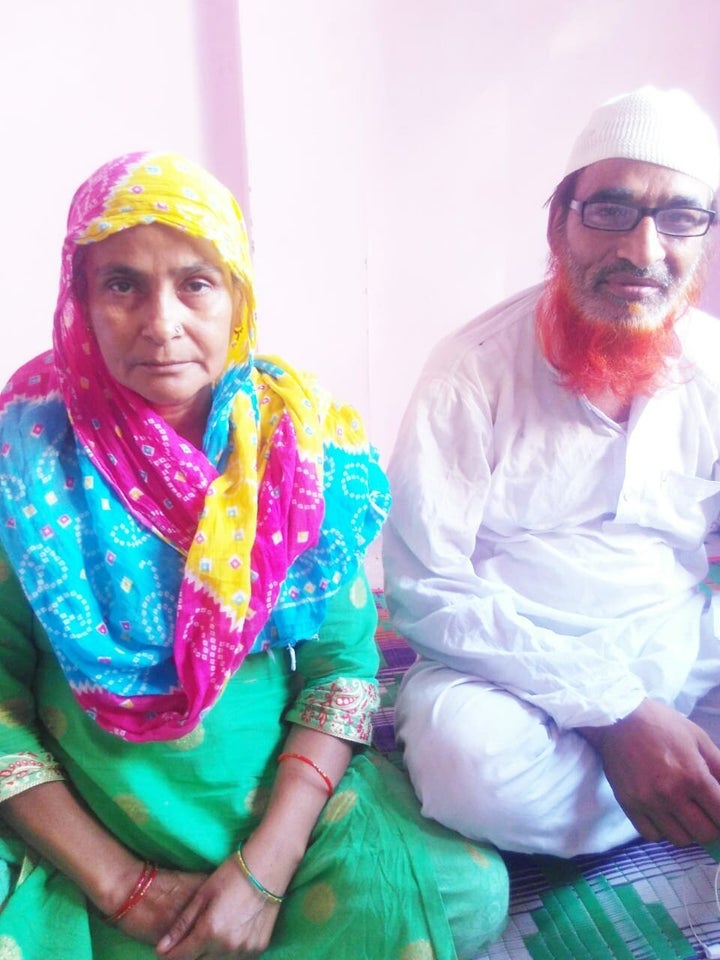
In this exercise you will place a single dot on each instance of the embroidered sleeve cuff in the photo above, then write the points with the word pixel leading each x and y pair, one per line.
pixel 343 708
pixel 21 771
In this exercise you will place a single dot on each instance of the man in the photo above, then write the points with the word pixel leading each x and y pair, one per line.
pixel 555 478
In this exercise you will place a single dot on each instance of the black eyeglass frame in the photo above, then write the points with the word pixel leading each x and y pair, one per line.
pixel 579 207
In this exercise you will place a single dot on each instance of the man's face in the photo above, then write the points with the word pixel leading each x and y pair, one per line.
pixel 638 277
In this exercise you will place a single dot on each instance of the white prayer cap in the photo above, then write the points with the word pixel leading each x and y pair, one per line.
pixel 666 127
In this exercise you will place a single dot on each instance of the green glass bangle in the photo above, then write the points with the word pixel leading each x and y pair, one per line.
pixel 268 894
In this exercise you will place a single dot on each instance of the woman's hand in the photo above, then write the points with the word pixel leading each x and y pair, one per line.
pixel 161 905
pixel 226 918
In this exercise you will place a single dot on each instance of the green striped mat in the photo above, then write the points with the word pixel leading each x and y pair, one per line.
pixel 643 902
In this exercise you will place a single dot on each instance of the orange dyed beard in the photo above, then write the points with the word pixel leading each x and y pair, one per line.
pixel 594 356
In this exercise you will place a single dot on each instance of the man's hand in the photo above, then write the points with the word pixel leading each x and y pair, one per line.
pixel 664 771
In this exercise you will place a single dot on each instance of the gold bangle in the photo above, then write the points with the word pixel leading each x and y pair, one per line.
pixel 268 894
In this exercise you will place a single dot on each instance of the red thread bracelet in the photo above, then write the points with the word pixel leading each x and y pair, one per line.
pixel 147 875
pixel 311 763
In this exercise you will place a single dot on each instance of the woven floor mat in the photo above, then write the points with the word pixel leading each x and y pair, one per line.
pixel 646 901
pixel 641 902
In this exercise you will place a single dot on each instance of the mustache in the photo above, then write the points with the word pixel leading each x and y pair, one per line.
pixel 593 356
pixel 658 273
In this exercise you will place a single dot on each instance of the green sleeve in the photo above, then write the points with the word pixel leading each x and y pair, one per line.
pixel 24 761
pixel 339 667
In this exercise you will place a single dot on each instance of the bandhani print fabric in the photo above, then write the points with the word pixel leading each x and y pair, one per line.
pixel 154 567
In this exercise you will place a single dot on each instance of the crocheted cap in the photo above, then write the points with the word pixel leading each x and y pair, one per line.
pixel 666 127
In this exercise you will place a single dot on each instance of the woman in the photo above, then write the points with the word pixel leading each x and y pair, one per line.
pixel 187 665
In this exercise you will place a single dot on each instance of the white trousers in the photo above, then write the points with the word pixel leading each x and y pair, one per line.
pixel 495 768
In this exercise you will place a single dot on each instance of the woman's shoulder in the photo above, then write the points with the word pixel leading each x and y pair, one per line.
pixel 33 382
pixel 33 415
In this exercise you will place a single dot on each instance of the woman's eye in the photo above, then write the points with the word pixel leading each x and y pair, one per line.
pixel 197 285
pixel 119 285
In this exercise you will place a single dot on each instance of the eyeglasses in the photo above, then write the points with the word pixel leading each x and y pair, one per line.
pixel 619 217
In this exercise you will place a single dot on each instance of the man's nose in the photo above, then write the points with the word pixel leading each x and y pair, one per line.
pixel 642 246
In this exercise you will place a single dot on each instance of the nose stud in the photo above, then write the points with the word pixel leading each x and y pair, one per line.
pixel 177 329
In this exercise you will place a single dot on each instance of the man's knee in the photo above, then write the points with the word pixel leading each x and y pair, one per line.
pixel 472 751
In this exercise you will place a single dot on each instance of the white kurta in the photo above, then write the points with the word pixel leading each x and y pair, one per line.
pixel 536 544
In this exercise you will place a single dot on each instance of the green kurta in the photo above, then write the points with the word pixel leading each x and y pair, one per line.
pixel 378 881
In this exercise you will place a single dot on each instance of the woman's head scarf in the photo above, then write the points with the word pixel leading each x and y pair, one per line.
pixel 155 568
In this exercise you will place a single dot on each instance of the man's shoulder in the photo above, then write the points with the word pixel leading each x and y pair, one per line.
pixel 699 334
pixel 488 328
pixel 698 320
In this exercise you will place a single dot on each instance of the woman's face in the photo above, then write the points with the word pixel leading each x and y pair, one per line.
pixel 161 306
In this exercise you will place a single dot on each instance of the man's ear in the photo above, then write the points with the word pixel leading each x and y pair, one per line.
pixel 559 209
pixel 557 218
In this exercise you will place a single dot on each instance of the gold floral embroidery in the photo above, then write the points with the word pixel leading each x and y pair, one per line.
pixel 343 708
pixel 477 855
pixel 55 720
pixel 133 807
pixel 9 948
pixel 21 771
pixel 359 594
pixel 339 806
pixel 256 800
pixel 419 950
pixel 190 740
pixel 319 903
pixel 16 711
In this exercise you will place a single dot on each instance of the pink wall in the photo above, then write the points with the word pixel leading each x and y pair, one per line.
pixel 393 156
pixel 82 81
pixel 400 154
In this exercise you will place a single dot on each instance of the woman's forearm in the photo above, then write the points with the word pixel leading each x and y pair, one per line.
pixel 298 797
pixel 54 822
